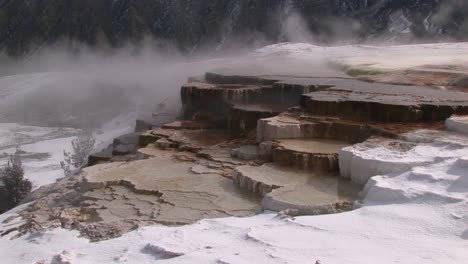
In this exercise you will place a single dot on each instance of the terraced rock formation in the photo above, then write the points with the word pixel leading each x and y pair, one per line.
pixel 318 154
pixel 266 139
pixel 305 143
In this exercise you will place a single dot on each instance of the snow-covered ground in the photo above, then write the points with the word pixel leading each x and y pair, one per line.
pixel 414 210
pixel 43 146
pixel 379 58
pixel 43 149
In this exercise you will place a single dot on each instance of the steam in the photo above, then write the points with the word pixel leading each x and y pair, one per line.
pixel 86 88
pixel 293 27
pixel 330 30
pixel 73 85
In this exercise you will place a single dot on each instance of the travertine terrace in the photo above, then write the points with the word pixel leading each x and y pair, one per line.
pixel 300 147
pixel 250 138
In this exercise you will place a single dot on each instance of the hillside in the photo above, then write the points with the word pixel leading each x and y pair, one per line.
pixel 194 26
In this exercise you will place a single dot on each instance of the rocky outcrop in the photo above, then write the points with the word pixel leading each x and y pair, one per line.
pixel 123 147
pixel 330 105
pixel 240 101
pixel 308 144
pixel 147 138
pixel 304 191
pixel 308 154
pixel 142 126
pixel 364 101
pixel 243 118
pixel 384 108
pixel 214 102
pixel 258 179
pixel 126 144
pixel 101 156
pixel 301 125
pixel 247 152
pixel 461 82
pixel 226 93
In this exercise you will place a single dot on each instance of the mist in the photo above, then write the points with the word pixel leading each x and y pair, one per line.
pixel 70 84
pixel 85 88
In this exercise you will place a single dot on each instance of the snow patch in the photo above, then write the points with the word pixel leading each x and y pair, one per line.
pixel 458 124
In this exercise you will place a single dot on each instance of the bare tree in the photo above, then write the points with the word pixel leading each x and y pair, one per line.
pixel 15 186
pixel 82 146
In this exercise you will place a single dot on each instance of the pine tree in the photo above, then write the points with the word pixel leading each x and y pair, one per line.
pixel 15 186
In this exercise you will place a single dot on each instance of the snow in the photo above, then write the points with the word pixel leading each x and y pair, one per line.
pixel 379 58
pixel 458 124
pixel 44 147
pixel 48 143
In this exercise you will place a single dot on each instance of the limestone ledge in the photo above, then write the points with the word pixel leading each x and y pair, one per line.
pixel 304 191
pixel 302 125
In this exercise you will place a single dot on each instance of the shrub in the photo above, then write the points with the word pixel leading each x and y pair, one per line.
pixel 82 146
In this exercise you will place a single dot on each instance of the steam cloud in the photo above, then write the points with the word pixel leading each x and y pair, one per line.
pixel 84 88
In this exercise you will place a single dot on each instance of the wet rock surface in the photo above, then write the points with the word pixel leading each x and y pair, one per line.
pixel 246 152
pixel 142 126
pixel 125 144
pixel 301 125
pixel 107 200
pixel 461 82
pixel 306 141
pixel 383 102
pixel 311 154
pixel 101 156
pixel 308 192
pixel 243 118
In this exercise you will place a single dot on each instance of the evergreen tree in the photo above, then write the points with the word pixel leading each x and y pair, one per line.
pixel 15 186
